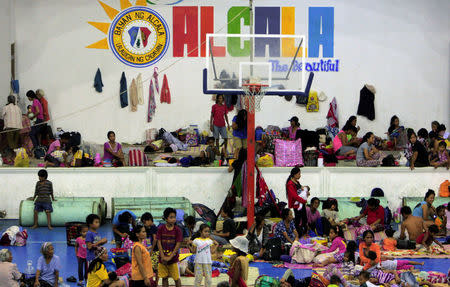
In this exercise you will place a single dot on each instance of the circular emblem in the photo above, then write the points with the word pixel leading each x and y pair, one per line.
pixel 139 37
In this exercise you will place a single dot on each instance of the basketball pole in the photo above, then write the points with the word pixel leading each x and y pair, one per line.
pixel 251 141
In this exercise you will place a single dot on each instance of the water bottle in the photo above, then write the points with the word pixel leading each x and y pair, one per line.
pixel 29 271
pixel 320 160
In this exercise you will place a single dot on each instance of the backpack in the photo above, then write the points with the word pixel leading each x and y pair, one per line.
pixel 266 281
pixel 313 102
pixel 387 216
pixel 388 161
pixel 39 152
pixel 273 249
pixel 444 189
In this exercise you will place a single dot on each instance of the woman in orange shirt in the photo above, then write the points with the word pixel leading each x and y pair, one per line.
pixel 141 262
pixel 368 245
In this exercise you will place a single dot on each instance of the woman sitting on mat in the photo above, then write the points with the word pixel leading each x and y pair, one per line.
pixel 285 229
pixel 367 155
pixel 257 237
pixel 367 245
pixel 113 151
pixel 374 213
pixel 419 157
pixel 313 214
pixel 425 209
pixel 344 147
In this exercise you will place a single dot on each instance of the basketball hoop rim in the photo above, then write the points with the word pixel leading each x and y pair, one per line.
pixel 255 85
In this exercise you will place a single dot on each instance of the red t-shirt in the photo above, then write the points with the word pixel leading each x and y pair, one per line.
pixel 44 104
pixel 218 112
pixel 374 215
pixel 169 239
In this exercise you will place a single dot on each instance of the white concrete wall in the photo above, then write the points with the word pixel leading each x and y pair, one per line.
pixel 401 48
pixel 209 186
pixel 5 49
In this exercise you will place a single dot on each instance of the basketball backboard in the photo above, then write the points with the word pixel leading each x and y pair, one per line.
pixel 273 60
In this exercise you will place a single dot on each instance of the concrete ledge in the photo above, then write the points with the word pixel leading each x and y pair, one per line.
pixel 210 185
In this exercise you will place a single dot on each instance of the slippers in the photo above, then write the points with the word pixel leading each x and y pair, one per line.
pixel 71 279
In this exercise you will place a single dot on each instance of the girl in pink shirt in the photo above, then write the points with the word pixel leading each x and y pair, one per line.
pixel 81 252
pixel 337 243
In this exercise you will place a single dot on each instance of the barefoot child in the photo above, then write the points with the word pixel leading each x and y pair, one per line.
pixel 93 239
pixel 169 238
pixel 203 247
pixel 427 238
pixel 151 229
pixel 43 197
pixel 81 252
pixel 441 220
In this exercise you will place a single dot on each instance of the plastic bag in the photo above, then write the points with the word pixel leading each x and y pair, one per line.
pixel 21 159
pixel 265 161
pixel 288 153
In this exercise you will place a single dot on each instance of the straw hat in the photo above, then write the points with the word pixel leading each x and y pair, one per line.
pixel 241 243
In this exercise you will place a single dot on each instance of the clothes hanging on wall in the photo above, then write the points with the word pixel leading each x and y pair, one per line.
pixel 366 105
pixel 165 91
pixel 140 89
pixel 123 91
pixel 98 83
pixel 133 95
pixel 151 102
pixel 332 118
pixel 155 76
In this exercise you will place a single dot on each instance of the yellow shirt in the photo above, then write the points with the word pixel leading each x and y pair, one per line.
pixel 96 278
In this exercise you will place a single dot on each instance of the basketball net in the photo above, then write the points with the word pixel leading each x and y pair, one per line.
pixel 254 93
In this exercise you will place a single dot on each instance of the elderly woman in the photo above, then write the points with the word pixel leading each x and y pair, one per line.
pixel 9 275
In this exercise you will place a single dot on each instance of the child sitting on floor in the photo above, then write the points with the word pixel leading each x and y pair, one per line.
pixel 442 158
pixel 239 263
pixel 389 243
pixel 441 220
pixel 335 281
pixel 426 239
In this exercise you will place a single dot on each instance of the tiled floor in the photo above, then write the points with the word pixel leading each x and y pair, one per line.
pixel 69 267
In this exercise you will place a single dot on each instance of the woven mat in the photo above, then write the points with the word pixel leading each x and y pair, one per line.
pixel 417 254
pixel 253 274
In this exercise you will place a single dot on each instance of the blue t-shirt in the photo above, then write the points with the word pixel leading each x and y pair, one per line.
pixel 116 217
pixel 152 230
pixel 242 133
pixel 48 270
pixel 92 237
pixel 418 211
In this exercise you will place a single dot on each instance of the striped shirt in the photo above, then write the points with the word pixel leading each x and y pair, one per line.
pixel 43 191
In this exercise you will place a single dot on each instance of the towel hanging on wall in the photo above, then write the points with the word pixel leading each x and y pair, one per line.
pixel 140 89
pixel 123 91
pixel 165 91
pixel 155 75
pixel 133 95
pixel 98 83
pixel 151 103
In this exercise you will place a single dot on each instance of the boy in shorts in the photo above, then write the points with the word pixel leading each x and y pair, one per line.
pixel 169 238
pixel 43 197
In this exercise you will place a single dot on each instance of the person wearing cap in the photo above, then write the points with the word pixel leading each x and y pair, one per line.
pixel 97 274
pixel 294 128
pixel 239 264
